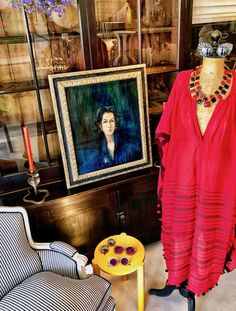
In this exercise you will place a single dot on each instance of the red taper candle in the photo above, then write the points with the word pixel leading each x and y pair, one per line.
pixel 163 106
pixel 28 149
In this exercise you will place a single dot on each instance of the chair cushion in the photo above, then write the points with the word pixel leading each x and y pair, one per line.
pixel 46 291
pixel 18 259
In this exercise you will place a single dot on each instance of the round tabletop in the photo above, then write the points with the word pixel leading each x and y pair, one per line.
pixel 122 240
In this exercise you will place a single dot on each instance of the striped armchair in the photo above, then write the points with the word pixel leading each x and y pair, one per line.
pixel 44 276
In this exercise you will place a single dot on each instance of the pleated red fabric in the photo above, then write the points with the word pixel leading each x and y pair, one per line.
pixel 197 188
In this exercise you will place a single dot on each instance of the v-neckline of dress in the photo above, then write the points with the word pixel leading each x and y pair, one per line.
pixel 219 105
pixel 196 122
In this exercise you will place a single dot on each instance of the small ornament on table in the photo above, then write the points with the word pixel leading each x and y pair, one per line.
pixel 37 196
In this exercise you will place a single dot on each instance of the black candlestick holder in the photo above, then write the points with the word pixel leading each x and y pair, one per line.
pixel 35 195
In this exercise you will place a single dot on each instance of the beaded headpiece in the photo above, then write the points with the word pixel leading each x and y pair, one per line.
pixel 215 49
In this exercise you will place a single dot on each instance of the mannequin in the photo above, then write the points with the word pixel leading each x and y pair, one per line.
pixel 194 136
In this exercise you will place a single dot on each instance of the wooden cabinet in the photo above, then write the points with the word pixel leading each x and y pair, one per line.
pixel 85 218
pixel 91 34
pixel 81 219
pixel 137 202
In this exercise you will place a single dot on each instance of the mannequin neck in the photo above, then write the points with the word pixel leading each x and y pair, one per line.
pixel 212 66
pixel 212 71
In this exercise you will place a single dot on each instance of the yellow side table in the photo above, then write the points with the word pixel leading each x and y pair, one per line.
pixel 102 260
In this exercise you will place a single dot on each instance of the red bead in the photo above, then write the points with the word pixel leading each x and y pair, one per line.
pixel 207 104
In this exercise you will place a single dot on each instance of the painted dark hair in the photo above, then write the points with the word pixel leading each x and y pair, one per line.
pixel 100 112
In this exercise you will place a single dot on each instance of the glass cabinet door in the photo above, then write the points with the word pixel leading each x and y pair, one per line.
pixel 16 107
pixel 159 48
pixel 141 31
pixel 50 45
pixel 159 27
pixel 133 31
pixel 56 43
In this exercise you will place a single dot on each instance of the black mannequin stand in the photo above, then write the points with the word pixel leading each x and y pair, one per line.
pixel 163 292
pixel 168 289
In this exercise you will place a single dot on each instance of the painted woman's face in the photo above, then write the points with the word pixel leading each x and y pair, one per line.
pixel 108 123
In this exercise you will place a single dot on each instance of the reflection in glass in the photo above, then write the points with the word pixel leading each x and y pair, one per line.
pixel 117 31
pixel 159 23
pixel 20 109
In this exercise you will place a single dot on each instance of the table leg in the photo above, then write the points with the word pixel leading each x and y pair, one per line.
pixel 140 287
pixel 96 269
pixel 125 277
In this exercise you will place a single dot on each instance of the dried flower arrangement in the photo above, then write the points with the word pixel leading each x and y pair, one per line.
pixel 44 6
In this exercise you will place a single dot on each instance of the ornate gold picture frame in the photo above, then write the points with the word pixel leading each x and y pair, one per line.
pixel 102 121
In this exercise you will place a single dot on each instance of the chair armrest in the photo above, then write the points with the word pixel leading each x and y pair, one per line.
pixel 69 251
pixel 62 258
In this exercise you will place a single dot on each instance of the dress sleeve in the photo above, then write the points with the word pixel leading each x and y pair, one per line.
pixel 162 137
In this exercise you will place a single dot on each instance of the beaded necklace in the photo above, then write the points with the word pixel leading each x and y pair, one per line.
pixel 195 88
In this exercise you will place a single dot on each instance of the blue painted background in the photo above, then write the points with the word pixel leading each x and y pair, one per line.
pixel 83 102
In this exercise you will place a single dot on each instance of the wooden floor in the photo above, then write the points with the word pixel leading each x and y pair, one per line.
pixel 221 298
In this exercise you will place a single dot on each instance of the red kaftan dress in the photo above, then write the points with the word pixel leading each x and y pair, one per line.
pixel 197 188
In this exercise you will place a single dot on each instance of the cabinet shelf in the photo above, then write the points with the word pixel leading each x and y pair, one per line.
pixel 158 29
pixel 37 37
pixel 13 39
pixel 22 86
pixel 161 69
pixel 22 39
pixel 50 127
pixel 152 30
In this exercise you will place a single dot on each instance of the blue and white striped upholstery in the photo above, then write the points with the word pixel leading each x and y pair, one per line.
pixel 47 291
pixel 110 305
pixel 63 248
pixel 58 263
pixel 44 276
pixel 18 260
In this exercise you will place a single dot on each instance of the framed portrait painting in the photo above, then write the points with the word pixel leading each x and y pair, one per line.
pixel 102 121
